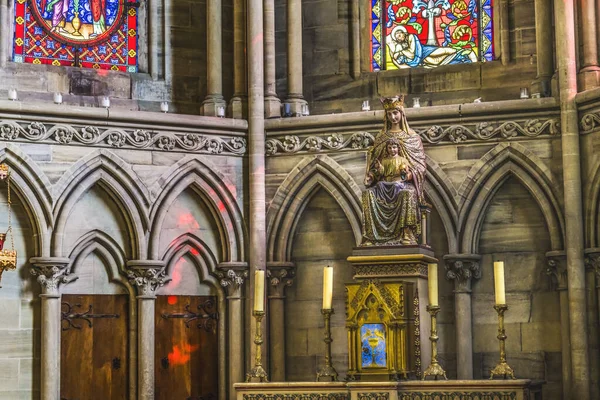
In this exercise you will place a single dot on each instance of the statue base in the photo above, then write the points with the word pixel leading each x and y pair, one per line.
pixel 388 267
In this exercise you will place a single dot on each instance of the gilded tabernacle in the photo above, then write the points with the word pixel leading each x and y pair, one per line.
pixel 394 180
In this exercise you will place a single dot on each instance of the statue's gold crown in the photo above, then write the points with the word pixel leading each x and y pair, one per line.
pixel 391 103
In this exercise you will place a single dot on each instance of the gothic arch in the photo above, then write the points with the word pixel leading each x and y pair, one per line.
pixel 487 176
pixel 295 193
pixel 214 189
pixel 118 180
pixel 591 204
pixel 206 263
pixel 442 195
pixel 31 185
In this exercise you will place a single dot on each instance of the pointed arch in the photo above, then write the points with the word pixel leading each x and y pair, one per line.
pixel 32 188
pixel 591 204
pixel 295 193
pixel 118 180
pixel 487 176
pixel 441 193
pixel 214 189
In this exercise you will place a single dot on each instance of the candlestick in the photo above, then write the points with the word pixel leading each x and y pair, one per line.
pixel 327 287
pixel 258 372
pixel 434 369
pixel 433 284
pixel 499 283
pixel 502 368
pixel 259 290
pixel 327 371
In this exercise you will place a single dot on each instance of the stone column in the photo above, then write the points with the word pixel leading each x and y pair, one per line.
pixel 239 102
pixel 592 264
pixel 355 28
pixel 214 63
pixel 589 75
pixel 272 102
pixel 154 29
pixel 557 270
pixel 3 32
pixel 51 273
pixel 504 32
pixel 544 48
pixel 567 73
pixel 280 275
pixel 232 278
pixel 462 269
pixel 256 150
pixel 147 276
pixel 295 98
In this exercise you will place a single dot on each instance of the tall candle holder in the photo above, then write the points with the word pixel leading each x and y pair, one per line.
pixel 502 368
pixel 327 371
pixel 258 372
pixel 434 369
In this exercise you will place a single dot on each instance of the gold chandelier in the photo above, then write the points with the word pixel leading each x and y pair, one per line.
pixel 8 257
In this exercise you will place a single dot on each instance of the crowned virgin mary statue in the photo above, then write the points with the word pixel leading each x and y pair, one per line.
pixel 394 179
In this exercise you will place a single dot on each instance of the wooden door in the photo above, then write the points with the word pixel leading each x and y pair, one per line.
pixel 94 346
pixel 186 364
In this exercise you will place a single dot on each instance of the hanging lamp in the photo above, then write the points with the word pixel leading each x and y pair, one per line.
pixel 8 257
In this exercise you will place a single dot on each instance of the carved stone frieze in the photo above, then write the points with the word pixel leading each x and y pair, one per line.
pixel 147 276
pixel 373 396
pixel 482 131
pixel 589 122
pixel 232 277
pixel 383 270
pixel 462 269
pixel 296 396
pixel 557 269
pixel 51 272
pixel 280 276
pixel 463 395
pixel 97 136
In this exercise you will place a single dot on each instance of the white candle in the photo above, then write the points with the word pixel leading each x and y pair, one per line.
pixel 499 282
pixel 327 287
pixel 433 284
pixel 57 98
pixel 259 290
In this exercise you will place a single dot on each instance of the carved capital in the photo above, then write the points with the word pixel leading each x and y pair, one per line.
pixel 462 269
pixel 51 272
pixel 592 261
pixel 232 276
pixel 280 275
pixel 557 269
pixel 147 276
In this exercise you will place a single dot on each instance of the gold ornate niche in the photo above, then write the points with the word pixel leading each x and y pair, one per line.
pixel 380 330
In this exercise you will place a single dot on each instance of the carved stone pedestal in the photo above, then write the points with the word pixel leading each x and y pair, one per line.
pixel 388 267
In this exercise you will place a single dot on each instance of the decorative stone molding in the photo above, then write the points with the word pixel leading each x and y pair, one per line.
pixel 482 131
pixel 89 135
pixel 557 269
pixel 387 270
pixel 51 272
pixel 147 276
pixel 592 260
pixel 280 276
pixel 231 276
pixel 462 269
pixel 589 122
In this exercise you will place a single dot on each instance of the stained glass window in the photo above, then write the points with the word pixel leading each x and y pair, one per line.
pixel 430 33
pixel 100 34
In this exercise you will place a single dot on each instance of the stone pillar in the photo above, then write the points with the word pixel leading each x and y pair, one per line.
pixel 567 73
pixel 544 48
pixel 232 277
pixel 462 269
pixel 592 264
pixel 272 102
pixel 557 270
pixel 355 29
pixel 4 34
pixel 280 275
pixel 589 75
pixel 239 101
pixel 147 276
pixel 214 63
pixel 504 32
pixel 154 30
pixel 51 273
pixel 295 98
pixel 256 150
